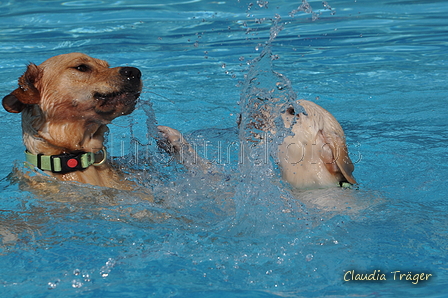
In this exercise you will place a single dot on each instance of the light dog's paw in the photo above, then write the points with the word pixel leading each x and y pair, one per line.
pixel 171 139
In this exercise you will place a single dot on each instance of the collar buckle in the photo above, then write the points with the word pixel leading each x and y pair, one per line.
pixel 67 162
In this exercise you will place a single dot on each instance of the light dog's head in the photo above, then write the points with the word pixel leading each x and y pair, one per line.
pixel 67 100
pixel 315 155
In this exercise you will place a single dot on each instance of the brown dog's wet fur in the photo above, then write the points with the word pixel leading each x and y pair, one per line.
pixel 66 103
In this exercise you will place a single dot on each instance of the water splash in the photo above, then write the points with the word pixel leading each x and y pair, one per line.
pixel 262 199
pixel 306 8
pixel 107 268
pixel 265 96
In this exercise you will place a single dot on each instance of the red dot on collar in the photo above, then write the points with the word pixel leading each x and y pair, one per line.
pixel 71 163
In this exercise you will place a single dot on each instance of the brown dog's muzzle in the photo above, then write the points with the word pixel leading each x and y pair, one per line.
pixel 122 102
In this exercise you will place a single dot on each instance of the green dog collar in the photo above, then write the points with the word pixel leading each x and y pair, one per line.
pixel 65 163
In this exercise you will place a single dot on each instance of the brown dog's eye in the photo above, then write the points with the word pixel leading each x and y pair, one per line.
pixel 82 68
pixel 291 111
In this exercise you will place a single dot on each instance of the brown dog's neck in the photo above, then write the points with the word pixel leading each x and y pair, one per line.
pixel 53 138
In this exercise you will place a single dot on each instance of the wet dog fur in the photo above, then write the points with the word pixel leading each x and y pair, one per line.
pixel 315 155
pixel 66 103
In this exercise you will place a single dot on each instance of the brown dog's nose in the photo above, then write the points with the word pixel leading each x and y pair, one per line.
pixel 131 73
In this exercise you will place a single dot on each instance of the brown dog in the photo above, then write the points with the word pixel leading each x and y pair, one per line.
pixel 316 154
pixel 66 103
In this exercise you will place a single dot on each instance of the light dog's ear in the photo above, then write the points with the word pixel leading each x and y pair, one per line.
pixel 333 150
pixel 336 156
pixel 26 94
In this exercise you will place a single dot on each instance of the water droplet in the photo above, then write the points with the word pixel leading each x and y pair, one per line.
pixel 76 283
pixel 86 277
pixel 262 3
pixel 309 257
pixel 76 272
pixel 53 285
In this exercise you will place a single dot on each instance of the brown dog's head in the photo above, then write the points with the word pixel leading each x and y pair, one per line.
pixel 68 98
pixel 75 86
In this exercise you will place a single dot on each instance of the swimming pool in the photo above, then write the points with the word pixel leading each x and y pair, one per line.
pixel 380 68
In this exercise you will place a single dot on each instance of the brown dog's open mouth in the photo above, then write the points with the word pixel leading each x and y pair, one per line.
pixel 119 103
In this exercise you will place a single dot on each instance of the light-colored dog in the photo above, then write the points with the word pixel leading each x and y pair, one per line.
pixel 66 103
pixel 316 154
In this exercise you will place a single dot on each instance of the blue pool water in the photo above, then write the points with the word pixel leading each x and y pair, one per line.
pixel 380 67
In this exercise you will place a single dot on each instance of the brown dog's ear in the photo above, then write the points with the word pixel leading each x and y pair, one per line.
pixel 12 104
pixel 27 92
